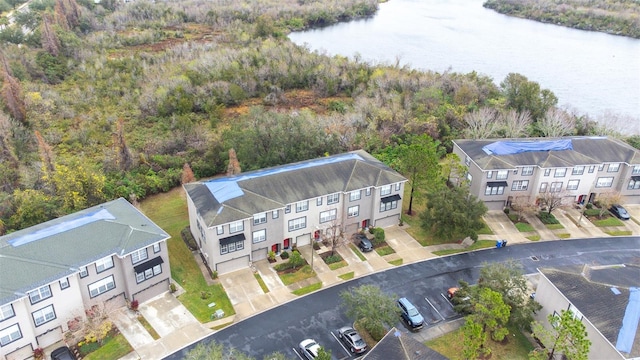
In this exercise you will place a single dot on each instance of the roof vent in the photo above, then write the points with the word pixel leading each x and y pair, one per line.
pixel 615 291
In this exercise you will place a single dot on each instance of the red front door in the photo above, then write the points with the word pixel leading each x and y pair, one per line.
pixel 285 243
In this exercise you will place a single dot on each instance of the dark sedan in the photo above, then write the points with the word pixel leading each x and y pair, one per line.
pixel 619 212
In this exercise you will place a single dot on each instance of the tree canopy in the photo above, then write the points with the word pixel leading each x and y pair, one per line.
pixel 375 310
pixel 453 212
pixel 565 334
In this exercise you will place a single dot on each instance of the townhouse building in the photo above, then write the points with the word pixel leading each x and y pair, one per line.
pixel 239 219
pixel 55 274
pixel 578 168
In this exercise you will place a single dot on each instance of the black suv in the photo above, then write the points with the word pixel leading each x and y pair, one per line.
pixel 364 243
pixel 410 314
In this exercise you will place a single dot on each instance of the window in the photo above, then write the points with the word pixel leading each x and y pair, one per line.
pixel 385 190
pixel 547 172
pixel 260 218
pixel 604 182
pixel 156 248
pixel 591 168
pixel 636 170
pixel 543 187
pixel 6 311
pixel 353 211
pixel 328 215
pixel 573 184
pixel 520 185
pixel 527 170
pixel 219 229
pixel 467 161
pixel 502 174
pixel 83 272
pixel 275 214
pixel 64 283
pixel 634 184
pixel 613 167
pixel 556 186
pixel 355 195
pixel 302 206
pixel 231 247
pixel 560 172
pixel 259 236
pixel 297 224
pixel 149 273
pixel 319 201
pixel 469 177
pixel 235 227
pixel 333 198
pixel 104 264
pixel 386 206
pixel 398 187
pixel 494 190
pixel 578 170
pixel 43 315
pixel 287 209
pixel 489 174
pixel 10 334
pixel 101 286
pixel 601 167
pixel 138 256
pixel 40 294
pixel 368 191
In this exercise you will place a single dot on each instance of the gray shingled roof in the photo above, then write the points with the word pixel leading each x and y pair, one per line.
pixel 586 151
pixel 273 188
pixel 589 289
pixel 397 345
pixel 46 252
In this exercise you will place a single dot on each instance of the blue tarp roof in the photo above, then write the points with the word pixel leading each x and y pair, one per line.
pixel 517 147
pixel 227 188
pixel 629 327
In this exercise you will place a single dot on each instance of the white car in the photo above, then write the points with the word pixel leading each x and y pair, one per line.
pixel 309 349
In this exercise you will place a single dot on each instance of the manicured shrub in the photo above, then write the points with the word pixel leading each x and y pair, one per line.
pixel 378 236
pixel 547 218
pixel 316 245
pixel 284 255
pixel 333 259
pixel 506 211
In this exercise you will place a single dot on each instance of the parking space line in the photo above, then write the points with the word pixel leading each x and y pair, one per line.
pixel 434 308
pixel 448 300
pixel 340 342
pixel 296 351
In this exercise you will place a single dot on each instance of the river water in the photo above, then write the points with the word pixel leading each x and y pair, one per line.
pixel 592 73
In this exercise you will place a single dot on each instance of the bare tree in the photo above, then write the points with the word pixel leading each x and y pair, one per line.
pixel 187 174
pixel 234 164
pixel 481 124
pixel 46 156
pixel 606 199
pixel 515 124
pixel 49 38
pixel 11 92
pixel 523 206
pixel 334 236
pixel 553 200
pixel 124 160
pixel 556 122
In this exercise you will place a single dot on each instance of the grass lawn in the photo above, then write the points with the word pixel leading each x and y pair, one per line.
pixel 357 252
pixel 554 226
pixel 534 237
pixel 480 244
pixel 308 289
pixel 610 221
pixel 261 282
pixel 485 230
pixel 524 227
pixel 516 347
pixel 385 250
pixel 148 327
pixel 619 233
pixel 564 236
pixel 337 265
pixel 112 349
pixel 347 276
pixel 169 211
pixel 396 262
pixel 305 272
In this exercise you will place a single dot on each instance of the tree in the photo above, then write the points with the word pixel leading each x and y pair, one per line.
pixel 507 278
pixel 514 123
pixel 78 186
pixel 32 207
pixel 124 160
pixel 49 38
pixel 417 159
pixel 453 211
pixel 453 170
pixel 552 199
pixel 368 305
pixel 492 313
pixel 523 206
pixel 556 123
pixel 606 199
pixel 565 334
pixel 334 236
pixel 215 351
pixel 234 165
pixel 474 339
pixel 187 174
pixel 481 124
pixel 11 92
pixel 524 95
pixel 324 354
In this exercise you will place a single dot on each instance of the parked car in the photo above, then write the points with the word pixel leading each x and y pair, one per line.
pixel 364 243
pixel 352 339
pixel 309 349
pixel 62 353
pixel 619 212
pixel 410 314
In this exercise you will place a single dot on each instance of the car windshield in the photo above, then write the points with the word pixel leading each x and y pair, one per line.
pixel 359 342
pixel 412 312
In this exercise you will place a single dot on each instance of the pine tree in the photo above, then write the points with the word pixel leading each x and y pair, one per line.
pixel 124 160
pixel 11 93
pixel 50 41
pixel 234 165
pixel 187 174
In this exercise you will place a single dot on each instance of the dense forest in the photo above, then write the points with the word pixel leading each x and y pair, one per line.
pixel 617 17
pixel 113 99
